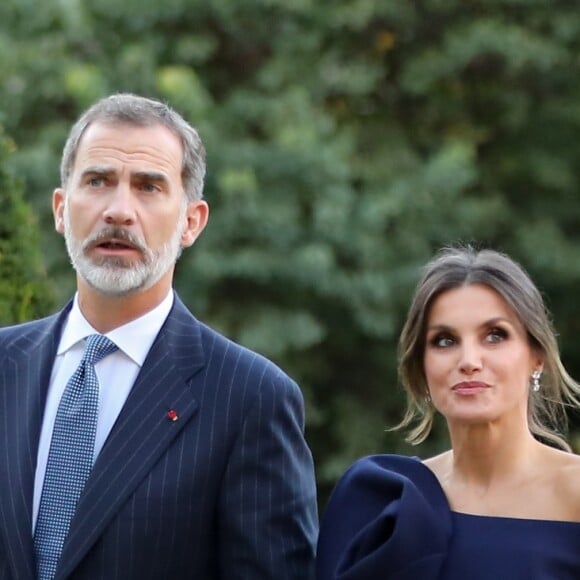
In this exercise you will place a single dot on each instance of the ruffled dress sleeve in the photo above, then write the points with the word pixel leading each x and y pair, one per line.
pixel 387 519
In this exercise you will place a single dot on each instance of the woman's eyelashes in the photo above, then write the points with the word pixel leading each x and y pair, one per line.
pixel 497 334
pixel 442 340
pixel 491 335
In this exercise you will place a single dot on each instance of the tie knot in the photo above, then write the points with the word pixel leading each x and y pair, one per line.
pixel 98 347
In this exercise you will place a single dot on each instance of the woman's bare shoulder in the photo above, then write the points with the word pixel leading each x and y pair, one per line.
pixel 439 464
pixel 566 470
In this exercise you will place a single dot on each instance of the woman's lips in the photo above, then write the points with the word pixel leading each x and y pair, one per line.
pixel 469 387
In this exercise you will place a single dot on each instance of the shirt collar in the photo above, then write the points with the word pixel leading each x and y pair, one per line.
pixel 134 338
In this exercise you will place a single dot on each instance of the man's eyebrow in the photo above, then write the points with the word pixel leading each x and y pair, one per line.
pixel 157 176
pixel 97 170
pixel 145 175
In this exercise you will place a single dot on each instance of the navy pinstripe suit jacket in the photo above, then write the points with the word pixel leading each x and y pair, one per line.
pixel 225 492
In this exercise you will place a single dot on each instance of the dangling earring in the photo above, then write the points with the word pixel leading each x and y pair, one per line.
pixel 536 380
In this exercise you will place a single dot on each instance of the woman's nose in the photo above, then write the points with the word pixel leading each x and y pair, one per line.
pixel 470 360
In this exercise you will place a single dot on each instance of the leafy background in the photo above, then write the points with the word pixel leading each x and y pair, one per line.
pixel 347 141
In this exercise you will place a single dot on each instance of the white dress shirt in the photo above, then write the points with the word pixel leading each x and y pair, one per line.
pixel 116 374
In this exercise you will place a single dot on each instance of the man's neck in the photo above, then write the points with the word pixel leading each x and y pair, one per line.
pixel 105 313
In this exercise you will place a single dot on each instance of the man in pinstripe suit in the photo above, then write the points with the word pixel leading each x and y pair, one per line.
pixel 201 470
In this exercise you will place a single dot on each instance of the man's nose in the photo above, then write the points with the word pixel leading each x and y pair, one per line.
pixel 120 208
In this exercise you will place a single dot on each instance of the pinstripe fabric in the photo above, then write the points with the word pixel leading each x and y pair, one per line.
pixel 225 492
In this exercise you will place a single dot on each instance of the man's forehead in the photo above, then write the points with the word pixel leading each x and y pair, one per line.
pixel 148 147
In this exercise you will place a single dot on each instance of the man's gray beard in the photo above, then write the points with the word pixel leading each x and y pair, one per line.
pixel 114 276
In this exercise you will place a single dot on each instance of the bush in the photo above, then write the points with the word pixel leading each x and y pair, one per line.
pixel 25 291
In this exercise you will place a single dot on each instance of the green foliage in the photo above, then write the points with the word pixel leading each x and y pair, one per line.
pixel 24 289
pixel 346 142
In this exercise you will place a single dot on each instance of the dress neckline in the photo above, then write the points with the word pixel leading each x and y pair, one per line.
pixel 429 478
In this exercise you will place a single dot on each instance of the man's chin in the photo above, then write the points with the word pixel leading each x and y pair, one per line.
pixel 114 289
pixel 112 263
pixel 115 281
pixel 121 276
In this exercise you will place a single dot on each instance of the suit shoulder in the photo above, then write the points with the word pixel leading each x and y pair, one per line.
pixel 223 351
pixel 237 369
pixel 26 332
pixel 223 347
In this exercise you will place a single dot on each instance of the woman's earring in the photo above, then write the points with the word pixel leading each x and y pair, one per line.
pixel 536 380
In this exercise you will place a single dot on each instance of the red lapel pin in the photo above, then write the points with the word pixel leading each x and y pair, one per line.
pixel 172 415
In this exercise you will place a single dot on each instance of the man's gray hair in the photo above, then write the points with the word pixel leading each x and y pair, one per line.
pixel 129 109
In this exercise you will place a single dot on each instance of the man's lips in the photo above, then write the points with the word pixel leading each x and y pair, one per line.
pixel 115 244
pixel 469 387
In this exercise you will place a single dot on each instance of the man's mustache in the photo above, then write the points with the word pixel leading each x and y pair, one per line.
pixel 115 234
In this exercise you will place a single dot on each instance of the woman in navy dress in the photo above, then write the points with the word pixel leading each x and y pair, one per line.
pixel 504 502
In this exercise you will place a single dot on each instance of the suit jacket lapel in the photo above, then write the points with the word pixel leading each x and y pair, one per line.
pixel 142 432
pixel 24 377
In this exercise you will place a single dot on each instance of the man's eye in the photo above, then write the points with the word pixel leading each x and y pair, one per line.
pixel 96 181
pixel 149 187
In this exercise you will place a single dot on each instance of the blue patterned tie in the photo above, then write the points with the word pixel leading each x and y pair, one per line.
pixel 70 458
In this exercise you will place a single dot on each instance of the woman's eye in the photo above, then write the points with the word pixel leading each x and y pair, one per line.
pixel 496 335
pixel 442 341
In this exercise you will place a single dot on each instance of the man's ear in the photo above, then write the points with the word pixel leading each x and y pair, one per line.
pixel 58 200
pixel 196 218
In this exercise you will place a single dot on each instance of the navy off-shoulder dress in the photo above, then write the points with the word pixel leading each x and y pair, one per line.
pixel 388 519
